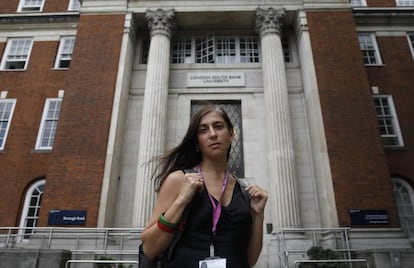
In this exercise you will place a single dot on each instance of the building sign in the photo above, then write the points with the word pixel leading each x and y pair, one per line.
pixel 215 80
pixel 369 216
pixel 67 217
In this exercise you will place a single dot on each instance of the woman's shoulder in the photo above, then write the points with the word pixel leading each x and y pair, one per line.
pixel 175 176
pixel 172 184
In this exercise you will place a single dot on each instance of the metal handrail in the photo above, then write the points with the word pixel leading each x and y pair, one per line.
pixel 10 235
pixel 284 257
pixel 331 261
pixel 100 261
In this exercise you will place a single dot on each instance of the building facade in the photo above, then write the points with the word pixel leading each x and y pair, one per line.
pixel 321 94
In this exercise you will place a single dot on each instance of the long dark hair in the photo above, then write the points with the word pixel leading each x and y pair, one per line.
pixel 186 154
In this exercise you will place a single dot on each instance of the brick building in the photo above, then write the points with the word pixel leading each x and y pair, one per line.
pixel 320 92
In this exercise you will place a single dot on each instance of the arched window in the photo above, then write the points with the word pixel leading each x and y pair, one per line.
pixel 31 207
pixel 404 198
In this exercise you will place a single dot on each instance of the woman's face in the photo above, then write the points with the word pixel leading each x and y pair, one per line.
pixel 214 136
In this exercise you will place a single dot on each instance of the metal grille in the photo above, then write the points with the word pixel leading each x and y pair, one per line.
pixel 233 110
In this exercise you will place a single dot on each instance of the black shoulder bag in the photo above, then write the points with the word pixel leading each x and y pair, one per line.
pixel 161 261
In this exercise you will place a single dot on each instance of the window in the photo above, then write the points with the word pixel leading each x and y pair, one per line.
pixel 6 113
pixel 356 3
pixel 48 124
pixel 286 49
pixel 31 5
pixel 64 55
pixel 225 50
pixel 411 42
pixel 404 198
pixel 369 49
pixel 145 45
pixel 17 54
pixel 249 49
pixel 182 51
pixel 387 121
pixel 215 49
pixel 31 208
pixel 74 5
pixel 204 49
pixel 233 110
pixel 405 2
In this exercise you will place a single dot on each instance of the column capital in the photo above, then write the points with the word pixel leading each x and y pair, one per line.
pixel 161 21
pixel 268 20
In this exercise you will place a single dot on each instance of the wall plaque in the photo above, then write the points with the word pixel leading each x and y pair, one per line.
pixel 219 79
pixel 369 216
pixel 67 217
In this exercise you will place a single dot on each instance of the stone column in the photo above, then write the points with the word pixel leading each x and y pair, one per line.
pixel 281 156
pixel 153 126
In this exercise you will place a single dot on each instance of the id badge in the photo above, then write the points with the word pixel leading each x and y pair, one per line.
pixel 213 263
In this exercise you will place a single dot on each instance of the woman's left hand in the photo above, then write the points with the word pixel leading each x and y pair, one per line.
pixel 258 198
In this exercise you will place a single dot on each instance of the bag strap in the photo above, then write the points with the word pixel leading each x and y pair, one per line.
pixel 243 184
pixel 182 223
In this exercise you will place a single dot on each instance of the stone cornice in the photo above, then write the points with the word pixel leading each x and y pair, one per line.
pixel 383 16
pixel 39 18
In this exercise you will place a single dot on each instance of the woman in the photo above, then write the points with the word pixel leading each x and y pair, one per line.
pixel 221 223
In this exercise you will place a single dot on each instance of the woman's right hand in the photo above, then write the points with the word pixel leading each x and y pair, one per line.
pixel 192 183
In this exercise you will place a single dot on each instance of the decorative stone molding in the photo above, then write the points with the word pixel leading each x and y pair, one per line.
pixel 161 21
pixel 268 20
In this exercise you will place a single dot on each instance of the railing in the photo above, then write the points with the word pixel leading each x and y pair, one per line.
pixel 67 265
pixel 336 239
pixel 296 262
pixel 122 240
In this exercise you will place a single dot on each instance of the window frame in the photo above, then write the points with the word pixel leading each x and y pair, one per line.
pixel 410 192
pixel 59 55
pixel 74 5
pixel 401 3
pixel 394 118
pixel 205 49
pixel 410 38
pixel 361 3
pixel 27 8
pixel 42 127
pixel 23 228
pixel 375 49
pixel 4 138
pixel 9 46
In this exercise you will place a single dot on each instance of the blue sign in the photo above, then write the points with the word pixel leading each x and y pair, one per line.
pixel 369 216
pixel 67 217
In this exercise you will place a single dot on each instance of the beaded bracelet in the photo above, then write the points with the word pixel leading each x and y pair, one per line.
pixel 165 225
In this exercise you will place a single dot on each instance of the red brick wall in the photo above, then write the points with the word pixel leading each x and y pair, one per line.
pixel 9 6
pixel 360 176
pixel 396 77
pixel 381 3
pixel 56 5
pixel 19 165
pixel 74 178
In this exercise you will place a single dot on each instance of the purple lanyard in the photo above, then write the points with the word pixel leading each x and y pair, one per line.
pixel 216 208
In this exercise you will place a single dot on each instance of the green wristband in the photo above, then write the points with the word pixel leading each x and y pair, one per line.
pixel 167 223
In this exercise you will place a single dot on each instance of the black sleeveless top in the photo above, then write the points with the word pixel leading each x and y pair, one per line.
pixel 232 235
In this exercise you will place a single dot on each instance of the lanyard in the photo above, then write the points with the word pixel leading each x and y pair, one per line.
pixel 216 208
